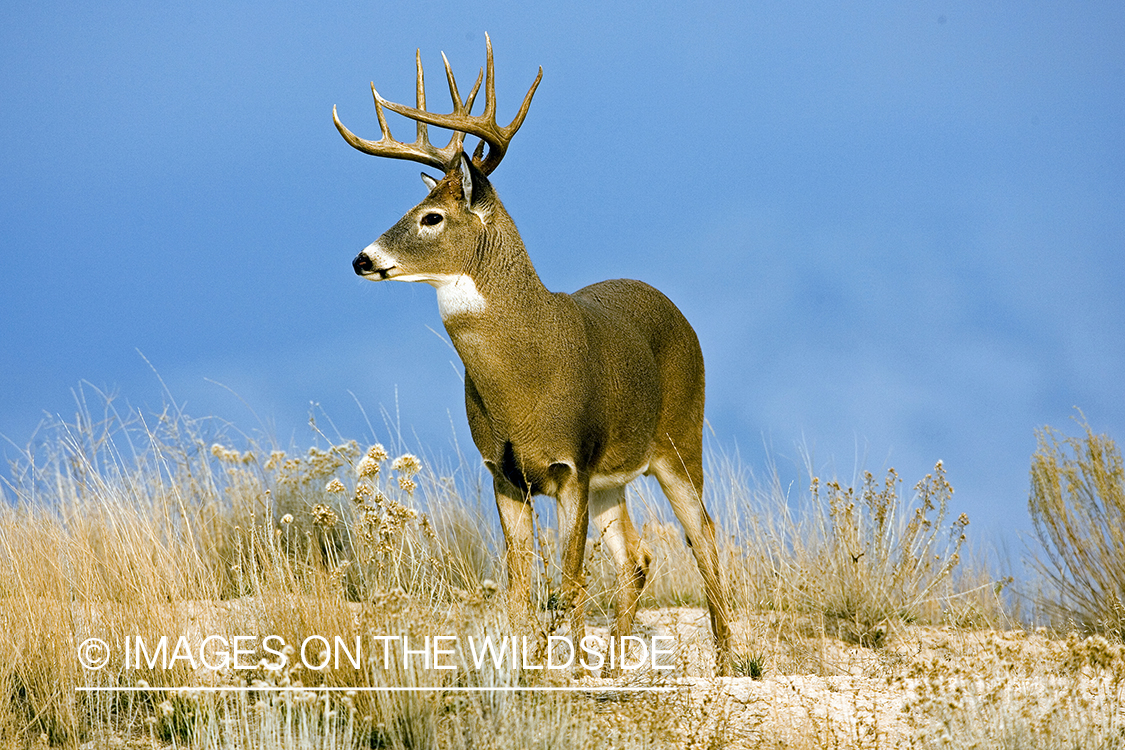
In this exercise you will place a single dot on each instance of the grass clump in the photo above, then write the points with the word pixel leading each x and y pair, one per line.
pixel 1077 504
pixel 859 562
pixel 884 558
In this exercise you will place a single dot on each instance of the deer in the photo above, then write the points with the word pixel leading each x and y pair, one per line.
pixel 570 396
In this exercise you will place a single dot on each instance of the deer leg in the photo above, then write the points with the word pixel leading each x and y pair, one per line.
pixel 516 520
pixel 631 560
pixel 684 492
pixel 573 499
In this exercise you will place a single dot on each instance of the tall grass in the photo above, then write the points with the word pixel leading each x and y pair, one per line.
pixel 134 525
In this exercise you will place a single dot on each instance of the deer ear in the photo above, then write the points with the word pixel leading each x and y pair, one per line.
pixel 466 182
pixel 431 183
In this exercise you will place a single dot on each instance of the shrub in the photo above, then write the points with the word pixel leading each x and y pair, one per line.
pixel 882 556
pixel 862 560
pixel 1077 504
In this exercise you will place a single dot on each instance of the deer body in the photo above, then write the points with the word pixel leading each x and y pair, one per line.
pixel 567 395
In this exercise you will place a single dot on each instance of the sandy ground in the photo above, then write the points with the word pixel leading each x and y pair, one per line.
pixel 820 691
pixel 815 690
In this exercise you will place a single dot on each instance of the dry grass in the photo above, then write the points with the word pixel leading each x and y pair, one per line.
pixel 857 625
pixel 1077 504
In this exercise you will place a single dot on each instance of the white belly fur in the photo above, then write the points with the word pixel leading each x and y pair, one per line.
pixel 617 479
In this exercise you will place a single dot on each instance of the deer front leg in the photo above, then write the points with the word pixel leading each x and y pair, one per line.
pixel 574 519
pixel 516 520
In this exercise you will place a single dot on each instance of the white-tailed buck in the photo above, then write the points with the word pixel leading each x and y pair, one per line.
pixel 568 395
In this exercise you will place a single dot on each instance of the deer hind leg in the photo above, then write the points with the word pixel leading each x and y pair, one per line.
pixel 684 489
pixel 516 520
pixel 631 559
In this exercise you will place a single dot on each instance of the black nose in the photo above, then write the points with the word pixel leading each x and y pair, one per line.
pixel 362 264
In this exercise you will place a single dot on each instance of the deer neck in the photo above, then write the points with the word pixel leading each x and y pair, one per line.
pixel 496 309
pixel 499 287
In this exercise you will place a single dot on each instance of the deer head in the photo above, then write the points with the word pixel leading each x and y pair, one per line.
pixel 438 240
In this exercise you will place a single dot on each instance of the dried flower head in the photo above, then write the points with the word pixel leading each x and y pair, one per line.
pixel 377 452
pixel 349 449
pixel 334 486
pixel 323 516
pixel 287 519
pixel 225 454
pixel 339 571
pixel 323 463
pixel 407 464
pixel 368 468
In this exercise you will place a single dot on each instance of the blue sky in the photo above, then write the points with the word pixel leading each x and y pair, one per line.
pixel 898 228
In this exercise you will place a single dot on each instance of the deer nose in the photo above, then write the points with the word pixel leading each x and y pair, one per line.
pixel 362 264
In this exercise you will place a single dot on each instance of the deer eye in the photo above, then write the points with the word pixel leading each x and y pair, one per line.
pixel 431 219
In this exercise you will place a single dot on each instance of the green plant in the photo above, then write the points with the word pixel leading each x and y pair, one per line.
pixel 752 665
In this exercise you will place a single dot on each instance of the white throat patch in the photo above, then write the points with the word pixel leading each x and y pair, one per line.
pixel 456 293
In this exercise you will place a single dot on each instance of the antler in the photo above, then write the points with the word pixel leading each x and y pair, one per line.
pixel 460 121
pixel 421 150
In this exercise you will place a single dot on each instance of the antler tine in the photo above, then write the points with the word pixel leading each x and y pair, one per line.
pixel 459 108
pixel 387 146
pixel 473 93
pixel 489 81
pixel 422 135
pixel 455 94
pixel 384 128
pixel 483 126
pixel 496 150
pixel 421 150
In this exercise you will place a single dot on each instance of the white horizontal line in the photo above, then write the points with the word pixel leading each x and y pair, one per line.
pixel 450 689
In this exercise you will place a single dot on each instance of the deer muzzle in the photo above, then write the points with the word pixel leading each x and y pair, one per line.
pixel 363 264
